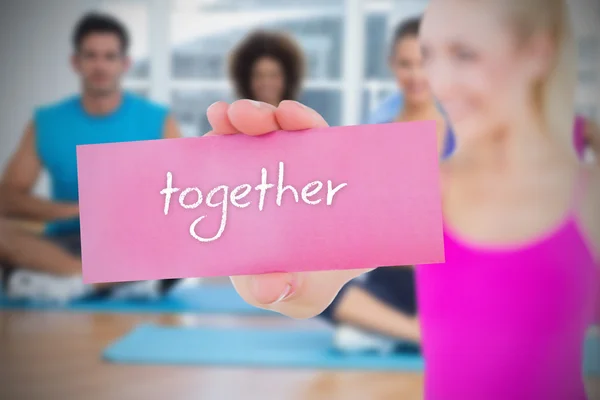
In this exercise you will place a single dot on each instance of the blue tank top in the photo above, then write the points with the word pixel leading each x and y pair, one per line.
pixel 61 127
pixel 388 111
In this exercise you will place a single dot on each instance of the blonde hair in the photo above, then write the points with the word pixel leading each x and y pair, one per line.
pixel 555 94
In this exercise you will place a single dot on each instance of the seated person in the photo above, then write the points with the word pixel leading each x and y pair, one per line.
pixel 267 67
pixel 377 311
pixel 48 266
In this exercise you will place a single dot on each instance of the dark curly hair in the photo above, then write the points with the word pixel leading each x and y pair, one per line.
pixel 276 45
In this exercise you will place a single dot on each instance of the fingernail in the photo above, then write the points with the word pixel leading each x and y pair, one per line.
pixel 315 115
pixel 287 292
pixel 269 289
pixel 255 103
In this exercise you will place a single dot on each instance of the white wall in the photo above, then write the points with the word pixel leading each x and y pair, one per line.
pixel 34 68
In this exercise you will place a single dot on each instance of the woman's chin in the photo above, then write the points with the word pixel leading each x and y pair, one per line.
pixel 417 99
pixel 467 128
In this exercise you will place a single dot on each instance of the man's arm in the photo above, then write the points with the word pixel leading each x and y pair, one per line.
pixel 171 130
pixel 18 180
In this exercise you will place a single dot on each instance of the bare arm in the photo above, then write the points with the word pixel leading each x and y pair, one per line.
pixel 17 182
pixel 171 130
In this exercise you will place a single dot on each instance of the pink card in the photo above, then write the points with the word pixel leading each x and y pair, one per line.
pixel 320 199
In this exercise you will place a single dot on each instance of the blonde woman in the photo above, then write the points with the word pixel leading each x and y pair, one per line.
pixel 505 317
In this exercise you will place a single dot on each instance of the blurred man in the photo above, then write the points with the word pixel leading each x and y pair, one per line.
pixel 49 265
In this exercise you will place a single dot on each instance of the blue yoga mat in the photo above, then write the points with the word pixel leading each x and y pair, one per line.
pixel 193 299
pixel 274 348
pixel 271 348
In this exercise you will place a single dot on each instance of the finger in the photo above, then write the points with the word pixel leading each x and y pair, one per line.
pixel 293 116
pixel 297 295
pixel 219 120
pixel 252 117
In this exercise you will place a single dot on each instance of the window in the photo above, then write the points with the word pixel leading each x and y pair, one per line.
pixel 180 51
pixel 377 45
pixel 139 92
pixel 328 102
pixel 189 107
pixel 134 14
pixel 381 18
pixel 204 32
pixel 201 40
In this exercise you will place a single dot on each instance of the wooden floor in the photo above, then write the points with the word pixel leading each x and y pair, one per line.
pixel 57 356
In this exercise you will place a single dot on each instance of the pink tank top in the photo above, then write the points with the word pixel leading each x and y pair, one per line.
pixel 508 324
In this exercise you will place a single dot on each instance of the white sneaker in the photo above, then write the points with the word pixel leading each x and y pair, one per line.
pixel 142 290
pixel 350 339
pixel 42 287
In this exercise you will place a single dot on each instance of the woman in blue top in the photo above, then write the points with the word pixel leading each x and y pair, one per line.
pixel 376 312
pixel 414 100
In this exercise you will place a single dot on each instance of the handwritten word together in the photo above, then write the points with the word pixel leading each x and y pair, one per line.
pixel 192 197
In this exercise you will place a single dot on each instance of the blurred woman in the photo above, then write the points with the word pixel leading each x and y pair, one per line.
pixel 267 67
pixel 378 311
pixel 416 102
pixel 505 317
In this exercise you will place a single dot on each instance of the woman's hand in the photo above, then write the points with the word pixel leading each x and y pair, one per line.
pixel 298 295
